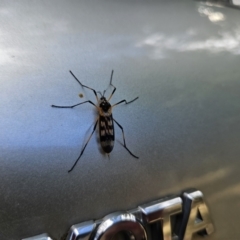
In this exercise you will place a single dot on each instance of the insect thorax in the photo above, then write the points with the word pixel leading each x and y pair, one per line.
pixel 105 108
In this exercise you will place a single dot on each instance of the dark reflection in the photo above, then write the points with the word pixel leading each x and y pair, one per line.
pixel 123 235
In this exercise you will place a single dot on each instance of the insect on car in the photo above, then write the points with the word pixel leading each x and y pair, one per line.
pixel 105 120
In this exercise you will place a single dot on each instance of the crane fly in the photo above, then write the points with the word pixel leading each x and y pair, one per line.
pixel 105 120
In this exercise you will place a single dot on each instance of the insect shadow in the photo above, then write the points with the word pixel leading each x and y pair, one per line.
pixel 105 120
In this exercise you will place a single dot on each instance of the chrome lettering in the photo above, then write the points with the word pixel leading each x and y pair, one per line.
pixel 162 211
pixel 196 217
pixel 120 222
pixel 179 217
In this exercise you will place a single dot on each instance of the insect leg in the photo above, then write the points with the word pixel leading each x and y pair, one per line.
pixel 124 143
pixel 95 93
pixel 73 105
pixel 125 102
pixel 84 147
pixel 114 88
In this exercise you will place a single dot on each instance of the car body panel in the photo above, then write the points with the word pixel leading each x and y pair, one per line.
pixel 180 57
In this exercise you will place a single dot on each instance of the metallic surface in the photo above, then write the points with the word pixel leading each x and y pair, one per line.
pixel 181 58
pixel 81 231
pixel 117 223
pixel 164 213
pixel 43 236
pixel 194 200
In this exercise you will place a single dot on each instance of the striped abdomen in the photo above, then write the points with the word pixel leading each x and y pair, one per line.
pixel 106 132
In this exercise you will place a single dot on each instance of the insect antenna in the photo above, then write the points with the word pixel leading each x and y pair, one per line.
pixel 104 92
pixel 100 93
pixel 108 86
pixel 111 78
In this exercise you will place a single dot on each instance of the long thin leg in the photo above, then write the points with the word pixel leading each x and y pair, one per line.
pixel 84 147
pixel 74 105
pixel 125 102
pixel 124 143
pixel 84 85
pixel 114 88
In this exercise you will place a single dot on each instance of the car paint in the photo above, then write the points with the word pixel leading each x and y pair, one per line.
pixel 180 57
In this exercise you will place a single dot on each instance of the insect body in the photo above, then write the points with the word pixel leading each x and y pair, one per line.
pixel 105 120
pixel 106 127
